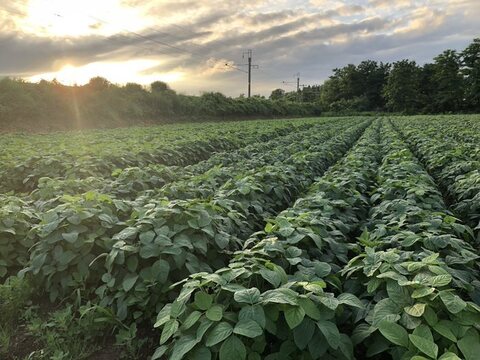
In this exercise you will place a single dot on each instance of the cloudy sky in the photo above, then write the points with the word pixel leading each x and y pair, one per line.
pixel 187 43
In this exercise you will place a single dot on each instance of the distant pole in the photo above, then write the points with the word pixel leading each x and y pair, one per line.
pixel 249 73
pixel 249 54
pixel 298 82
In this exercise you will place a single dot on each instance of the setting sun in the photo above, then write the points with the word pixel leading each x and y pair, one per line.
pixel 118 72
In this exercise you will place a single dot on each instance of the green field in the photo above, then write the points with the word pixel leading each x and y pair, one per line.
pixel 319 238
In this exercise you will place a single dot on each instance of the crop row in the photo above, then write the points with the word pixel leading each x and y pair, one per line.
pixel 455 166
pixel 416 270
pixel 22 176
pixel 409 291
pixel 270 301
pixel 81 246
pixel 183 182
pixel 19 215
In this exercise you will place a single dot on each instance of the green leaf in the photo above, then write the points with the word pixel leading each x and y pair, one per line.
pixel 215 313
pixel 416 310
pixel 469 345
pixel 248 328
pixel 201 353
pixel 182 346
pixel 203 300
pixel 303 333
pixel 171 326
pixel 70 237
pixel 449 356
pixel 191 320
pixel 453 302
pixel 331 333
pixel 430 316
pixel 311 310
pixel 219 333
pixel 440 280
pixel 329 301
pixel 281 296
pixel 322 269
pixel 394 333
pixel 426 346
pixel 385 309
pixel 159 352
pixel 253 312
pixel 442 327
pixel 294 316
pixel 128 281
pixel 425 291
pixel 233 349
pixel 163 316
pixel 350 299
pixel 249 296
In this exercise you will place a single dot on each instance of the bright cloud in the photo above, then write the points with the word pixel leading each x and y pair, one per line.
pixel 187 43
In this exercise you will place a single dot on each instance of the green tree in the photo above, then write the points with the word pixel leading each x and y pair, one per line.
pixel 402 90
pixel 448 82
pixel 471 72
pixel 277 94
pixel 373 77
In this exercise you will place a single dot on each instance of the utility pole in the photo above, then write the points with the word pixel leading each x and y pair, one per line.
pixel 249 54
pixel 297 82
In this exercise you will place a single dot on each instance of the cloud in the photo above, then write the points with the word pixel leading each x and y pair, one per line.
pixel 196 38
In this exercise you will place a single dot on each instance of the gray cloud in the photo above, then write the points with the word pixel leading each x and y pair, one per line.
pixel 308 39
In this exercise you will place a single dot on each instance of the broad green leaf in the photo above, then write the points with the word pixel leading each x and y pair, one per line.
pixel 249 296
pixel 203 300
pixel 449 356
pixel 128 281
pixel 385 309
pixel 416 310
pixel 233 349
pixel 159 352
pixel 170 327
pixel 182 346
pixel 281 296
pixel 350 299
pixel 253 312
pixel 191 320
pixel 442 327
pixel 248 328
pixel 329 301
pixel 294 316
pixel 201 353
pixel 453 302
pixel 440 280
pixel 322 269
pixel 394 333
pixel 425 291
pixel 303 333
pixel 215 313
pixel 426 346
pixel 163 316
pixel 311 310
pixel 219 333
pixel 331 333
pixel 469 345
pixel 70 237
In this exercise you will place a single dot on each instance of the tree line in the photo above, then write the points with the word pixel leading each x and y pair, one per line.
pixel 50 105
pixel 450 84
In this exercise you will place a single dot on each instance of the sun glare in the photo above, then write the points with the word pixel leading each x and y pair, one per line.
pixel 70 18
pixel 118 72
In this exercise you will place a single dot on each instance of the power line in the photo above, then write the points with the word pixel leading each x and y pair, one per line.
pixel 162 43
